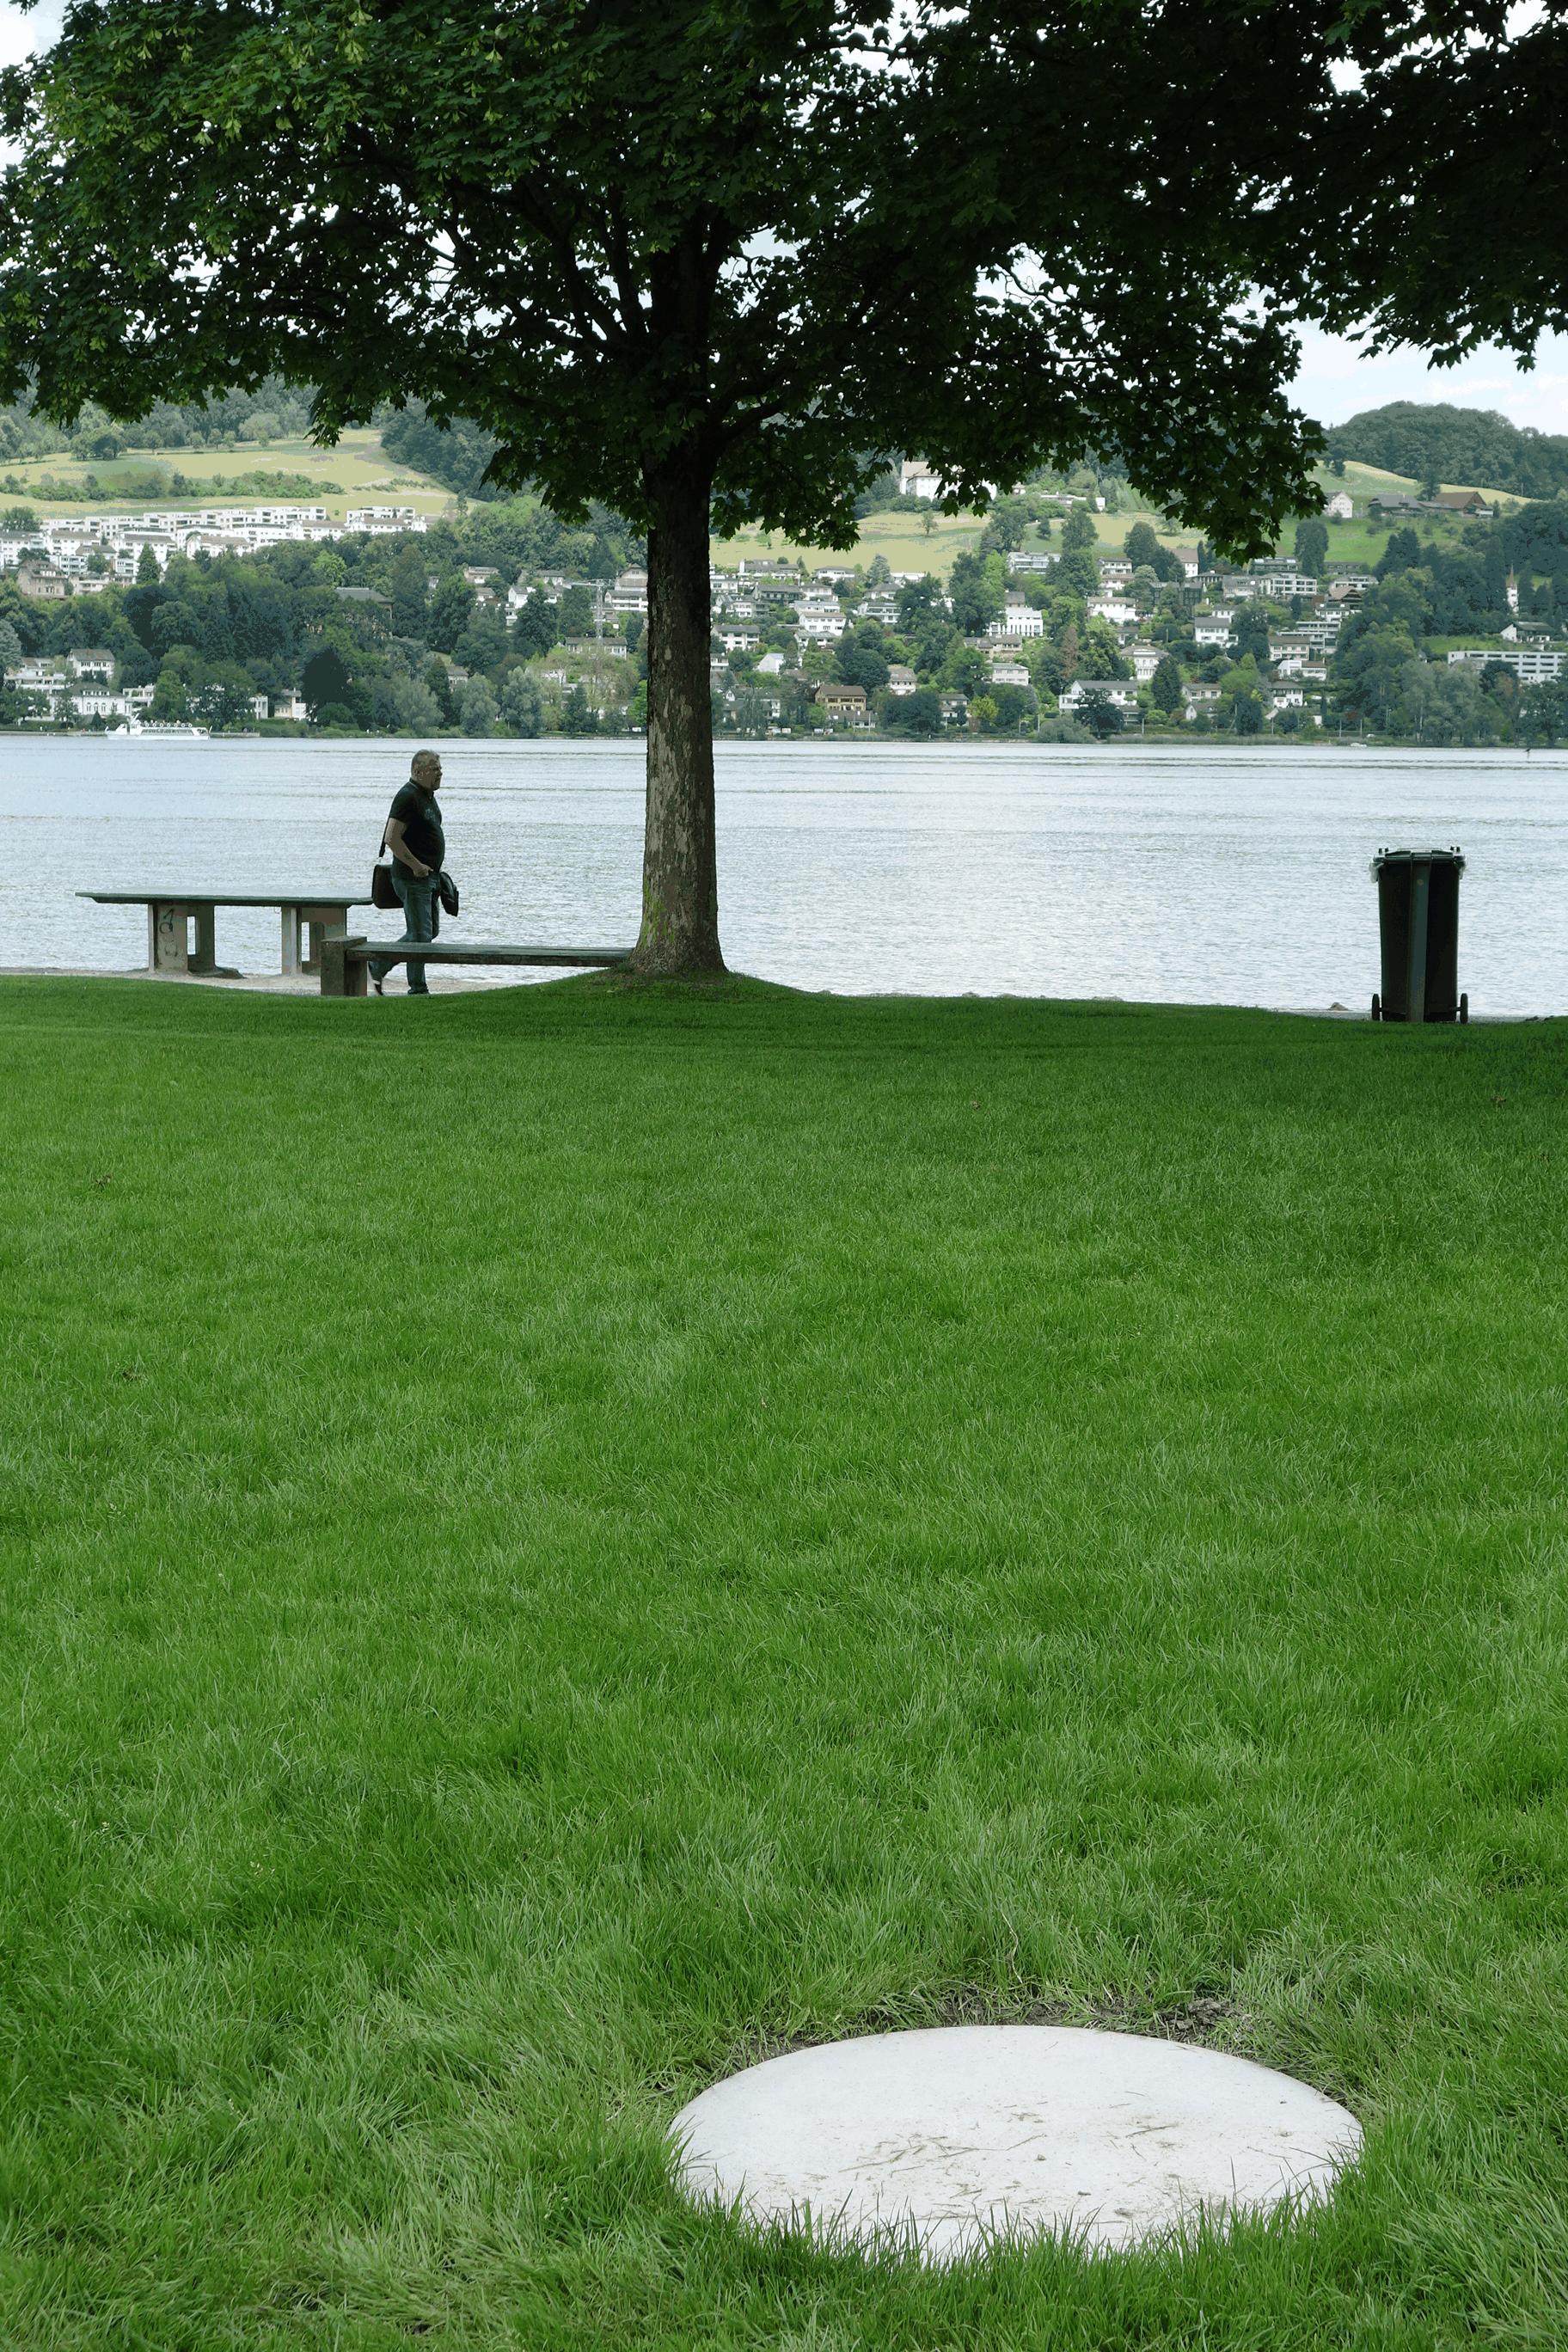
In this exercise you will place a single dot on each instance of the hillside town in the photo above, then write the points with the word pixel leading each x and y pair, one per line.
pixel 278 616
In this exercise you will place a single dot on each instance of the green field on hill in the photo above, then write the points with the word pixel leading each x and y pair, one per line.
pixel 901 538
pixel 357 472
pixel 907 547
pixel 559 1538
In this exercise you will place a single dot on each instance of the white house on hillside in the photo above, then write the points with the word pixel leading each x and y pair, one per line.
pixel 820 618
pixel 1118 610
pixel 1115 691
pixel 1018 619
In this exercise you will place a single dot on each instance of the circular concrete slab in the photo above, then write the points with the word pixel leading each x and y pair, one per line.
pixel 972 2129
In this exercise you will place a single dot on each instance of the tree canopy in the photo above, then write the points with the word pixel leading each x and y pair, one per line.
pixel 615 240
pixel 1439 206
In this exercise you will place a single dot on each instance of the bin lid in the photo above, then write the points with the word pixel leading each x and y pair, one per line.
pixel 1453 856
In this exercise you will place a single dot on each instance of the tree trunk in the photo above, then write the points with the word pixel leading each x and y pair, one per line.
pixel 680 870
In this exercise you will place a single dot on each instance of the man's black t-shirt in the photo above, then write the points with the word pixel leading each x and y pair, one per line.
pixel 421 820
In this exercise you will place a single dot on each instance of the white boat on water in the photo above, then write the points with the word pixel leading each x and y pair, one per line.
pixel 163 731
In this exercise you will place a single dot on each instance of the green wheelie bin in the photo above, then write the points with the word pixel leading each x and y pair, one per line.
pixel 1418 918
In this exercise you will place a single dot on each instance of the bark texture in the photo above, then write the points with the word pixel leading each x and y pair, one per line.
pixel 680 868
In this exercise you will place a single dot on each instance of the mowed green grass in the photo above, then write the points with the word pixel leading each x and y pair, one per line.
pixel 557 1541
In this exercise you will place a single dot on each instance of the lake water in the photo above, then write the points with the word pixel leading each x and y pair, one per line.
pixel 1238 877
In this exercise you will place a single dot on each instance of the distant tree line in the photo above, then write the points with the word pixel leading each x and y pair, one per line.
pixel 274 411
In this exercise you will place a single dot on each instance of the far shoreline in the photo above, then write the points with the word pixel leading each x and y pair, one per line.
pixel 1185 745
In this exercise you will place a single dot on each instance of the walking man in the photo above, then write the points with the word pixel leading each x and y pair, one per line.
pixel 418 848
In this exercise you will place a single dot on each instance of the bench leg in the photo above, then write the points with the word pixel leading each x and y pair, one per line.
pixel 340 975
pixel 291 940
pixel 205 957
pixel 169 949
pixel 320 923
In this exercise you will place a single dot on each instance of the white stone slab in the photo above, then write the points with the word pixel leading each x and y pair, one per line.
pixel 970 2129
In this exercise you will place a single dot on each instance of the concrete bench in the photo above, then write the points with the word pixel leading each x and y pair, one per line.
pixel 345 963
pixel 310 916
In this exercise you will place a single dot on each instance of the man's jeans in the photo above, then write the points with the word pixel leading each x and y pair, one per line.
pixel 422 914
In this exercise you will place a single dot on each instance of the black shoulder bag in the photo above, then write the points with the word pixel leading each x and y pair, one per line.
pixel 381 893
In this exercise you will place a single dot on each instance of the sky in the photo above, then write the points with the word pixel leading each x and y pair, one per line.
pixel 1332 383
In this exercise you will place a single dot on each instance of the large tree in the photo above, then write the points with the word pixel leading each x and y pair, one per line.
pixel 707 262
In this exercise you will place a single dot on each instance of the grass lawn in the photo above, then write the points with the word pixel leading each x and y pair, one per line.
pixel 899 536
pixel 1369 481
pixel 1357 542
pixel 557 1540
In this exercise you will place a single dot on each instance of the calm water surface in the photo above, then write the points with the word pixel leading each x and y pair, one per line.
pixel 1236 877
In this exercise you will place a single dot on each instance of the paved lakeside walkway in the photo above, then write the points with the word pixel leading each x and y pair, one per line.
pixel 443 982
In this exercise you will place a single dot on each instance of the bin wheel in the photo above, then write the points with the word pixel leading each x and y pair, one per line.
pixel 1376 1006
pixel 1464 1012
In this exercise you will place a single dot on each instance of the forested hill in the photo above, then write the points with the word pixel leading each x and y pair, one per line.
pixel 455 455
pixel 1472 448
